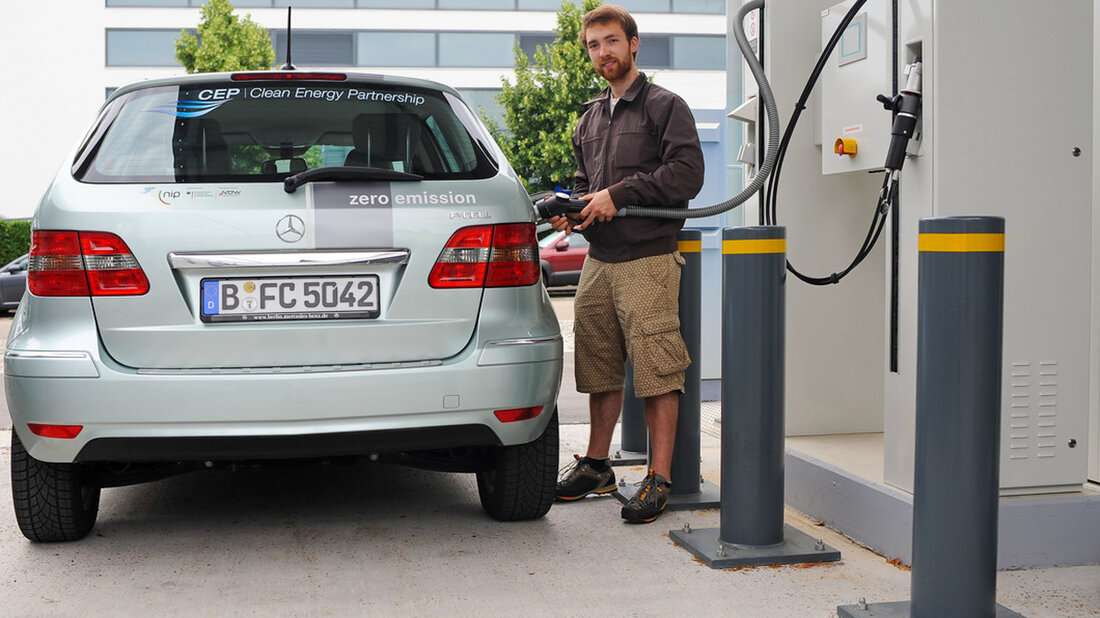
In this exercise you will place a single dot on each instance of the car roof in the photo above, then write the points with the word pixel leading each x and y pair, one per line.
pixel 228 78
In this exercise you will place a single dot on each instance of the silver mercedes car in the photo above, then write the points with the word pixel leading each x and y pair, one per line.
pixel 281 265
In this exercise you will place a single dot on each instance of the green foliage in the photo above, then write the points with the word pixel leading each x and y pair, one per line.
pixel 543 105
pixel 228 43
pixel 15 239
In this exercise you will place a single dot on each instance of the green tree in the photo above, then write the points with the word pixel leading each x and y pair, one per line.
pixel 15 239
pixel 225 42
pixel 542 107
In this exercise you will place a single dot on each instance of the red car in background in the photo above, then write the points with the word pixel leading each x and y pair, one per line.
pixel 562 256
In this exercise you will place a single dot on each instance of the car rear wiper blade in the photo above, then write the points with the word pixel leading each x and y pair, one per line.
pixel 291 184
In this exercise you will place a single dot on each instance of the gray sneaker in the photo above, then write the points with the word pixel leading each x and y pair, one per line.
pixel 650 500
pixel 579 479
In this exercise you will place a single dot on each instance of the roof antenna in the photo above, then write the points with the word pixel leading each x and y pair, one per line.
pixel 287 66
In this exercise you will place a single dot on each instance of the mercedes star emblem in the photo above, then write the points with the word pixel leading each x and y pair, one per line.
pixel 290 228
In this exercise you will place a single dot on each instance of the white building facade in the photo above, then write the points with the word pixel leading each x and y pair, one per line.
pixel 73 53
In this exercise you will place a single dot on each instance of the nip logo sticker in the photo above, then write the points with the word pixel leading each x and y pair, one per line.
pixel 205 102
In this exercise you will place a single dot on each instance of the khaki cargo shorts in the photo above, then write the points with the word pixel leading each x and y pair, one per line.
pixel 630 309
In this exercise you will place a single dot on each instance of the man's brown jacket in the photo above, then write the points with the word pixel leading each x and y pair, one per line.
pixel 646 154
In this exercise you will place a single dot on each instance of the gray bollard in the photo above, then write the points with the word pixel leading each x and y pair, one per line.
pixel 633 447
pixel 688 489
pixel 752 531
pixel 956 484
pixel 753 323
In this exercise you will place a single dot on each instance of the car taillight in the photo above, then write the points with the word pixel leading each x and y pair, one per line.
pixel 518 414
pixel 64 432
pixel 515 257
pixel 65 263
pixel 503 255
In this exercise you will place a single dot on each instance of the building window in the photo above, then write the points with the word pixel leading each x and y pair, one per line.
pixel 528 42
pixel 147 2
pixel 496 5
pixel 142 48
pixel 634 6
pixel 699 6
pixel 396 49
pixel 646 6
pixel 396 4
pixel 476 49
pixel 541 5
pixel 313 49
pixel 653 51
pixel 483 99
pixel 316 4
pixel 699 52
pixel 335 48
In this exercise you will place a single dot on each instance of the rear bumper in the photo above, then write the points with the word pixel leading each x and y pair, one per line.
pixel 285 447
pixel 279 413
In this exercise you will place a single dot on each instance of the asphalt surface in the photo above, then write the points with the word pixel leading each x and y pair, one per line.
pixel 307 538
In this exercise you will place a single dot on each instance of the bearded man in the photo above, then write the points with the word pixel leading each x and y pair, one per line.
pixel 636 145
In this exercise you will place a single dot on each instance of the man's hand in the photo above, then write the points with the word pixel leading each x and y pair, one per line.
pixel 600 208
pixel 561 223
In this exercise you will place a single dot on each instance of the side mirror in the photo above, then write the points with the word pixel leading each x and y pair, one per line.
pixel 561 245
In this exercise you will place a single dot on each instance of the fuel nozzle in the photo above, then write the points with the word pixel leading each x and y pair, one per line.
pixel 907 104
pixel 557 205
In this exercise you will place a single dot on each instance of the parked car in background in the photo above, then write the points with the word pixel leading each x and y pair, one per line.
pixel 13 283
pixel 562 256
pixel 281 266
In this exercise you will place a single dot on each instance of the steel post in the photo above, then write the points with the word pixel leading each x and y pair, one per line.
pixel 753 311
pixel 633 445
pixel 956 485
pixel 689 491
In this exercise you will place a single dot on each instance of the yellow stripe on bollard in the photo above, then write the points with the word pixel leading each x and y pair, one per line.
pixel 763 245
pixel 961 243
pixel 690 246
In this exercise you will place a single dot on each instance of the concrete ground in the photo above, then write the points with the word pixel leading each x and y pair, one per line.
pixel 375 539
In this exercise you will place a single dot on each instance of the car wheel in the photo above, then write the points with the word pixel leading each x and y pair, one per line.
pixel 52 502
pixel 519 483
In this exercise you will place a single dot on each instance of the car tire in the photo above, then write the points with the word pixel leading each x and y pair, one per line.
pixel 519 483
pixel 52 501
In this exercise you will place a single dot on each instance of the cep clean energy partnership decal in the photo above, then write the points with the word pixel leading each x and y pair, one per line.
pixel 193 104
pixel 352 215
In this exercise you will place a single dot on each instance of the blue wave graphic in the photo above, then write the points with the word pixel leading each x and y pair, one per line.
pixel 185 108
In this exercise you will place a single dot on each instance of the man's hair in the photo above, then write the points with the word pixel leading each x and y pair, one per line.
pixel 609 13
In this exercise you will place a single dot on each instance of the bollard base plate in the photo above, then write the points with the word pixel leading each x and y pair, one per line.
pixel 709 496
pixel 620 457
pixel 898 609
pixel 797 548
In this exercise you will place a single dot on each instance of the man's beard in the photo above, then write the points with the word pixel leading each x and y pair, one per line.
pixel 622 67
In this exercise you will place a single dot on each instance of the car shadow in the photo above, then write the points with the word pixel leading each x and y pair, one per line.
pixel 309 499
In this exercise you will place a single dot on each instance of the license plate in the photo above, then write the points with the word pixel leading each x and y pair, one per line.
pixel 290 298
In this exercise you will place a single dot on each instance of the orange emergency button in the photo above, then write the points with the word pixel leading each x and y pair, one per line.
pixel 845 146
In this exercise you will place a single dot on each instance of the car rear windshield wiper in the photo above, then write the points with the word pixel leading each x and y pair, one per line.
pixel 291 184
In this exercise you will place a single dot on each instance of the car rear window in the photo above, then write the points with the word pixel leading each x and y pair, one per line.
pixel 265 131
